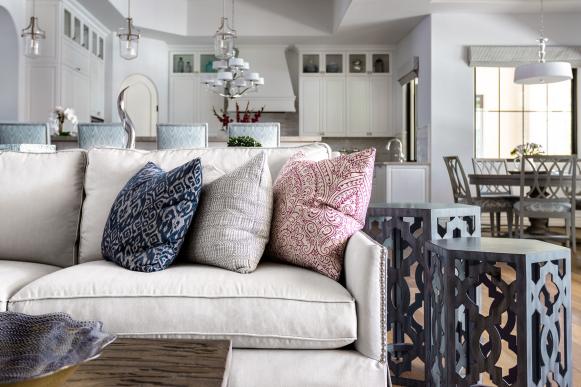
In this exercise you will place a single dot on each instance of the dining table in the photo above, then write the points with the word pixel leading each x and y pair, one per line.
pixel 513 179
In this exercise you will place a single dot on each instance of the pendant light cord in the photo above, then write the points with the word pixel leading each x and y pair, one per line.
pixel 129 9
pixel 233 14
pixel 542 19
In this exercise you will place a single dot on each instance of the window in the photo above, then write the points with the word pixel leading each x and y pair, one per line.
pixel 507 114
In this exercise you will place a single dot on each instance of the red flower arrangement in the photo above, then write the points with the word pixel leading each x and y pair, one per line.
pixel 241 116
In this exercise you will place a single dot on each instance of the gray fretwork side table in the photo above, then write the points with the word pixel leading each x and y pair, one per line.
pixel 404 229
pixel 519 334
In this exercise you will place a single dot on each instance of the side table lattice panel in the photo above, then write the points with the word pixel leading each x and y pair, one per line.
pixel 404 229
pixel 518 332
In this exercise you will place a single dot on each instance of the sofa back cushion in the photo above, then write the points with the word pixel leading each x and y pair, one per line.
pixel 40 206
pixel 108 171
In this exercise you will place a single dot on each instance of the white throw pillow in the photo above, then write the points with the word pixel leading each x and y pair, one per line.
pixel 232 223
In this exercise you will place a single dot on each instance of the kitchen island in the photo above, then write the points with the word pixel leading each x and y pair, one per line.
pixel 150 143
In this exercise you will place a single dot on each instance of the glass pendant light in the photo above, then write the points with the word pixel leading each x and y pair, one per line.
pixel 32 35
pixel 225 37
pixel 543 72
pixel 129 37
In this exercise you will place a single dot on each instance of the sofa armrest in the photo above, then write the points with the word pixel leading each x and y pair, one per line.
pixel 365 276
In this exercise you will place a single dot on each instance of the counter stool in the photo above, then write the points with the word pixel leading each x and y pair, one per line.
pixel 490 297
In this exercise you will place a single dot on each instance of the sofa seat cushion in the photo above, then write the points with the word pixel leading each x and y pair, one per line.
pixel 14 275
pixel 276 306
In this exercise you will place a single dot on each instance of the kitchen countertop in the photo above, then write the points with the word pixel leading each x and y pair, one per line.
pixel 407 163
pixel 283 139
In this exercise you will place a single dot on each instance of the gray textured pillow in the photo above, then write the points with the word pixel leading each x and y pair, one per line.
pixel 232 223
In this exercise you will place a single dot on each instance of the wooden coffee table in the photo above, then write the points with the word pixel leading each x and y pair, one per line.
pixel 163 362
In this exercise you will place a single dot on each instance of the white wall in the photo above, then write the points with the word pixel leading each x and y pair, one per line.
pixel 9 47
pixel 14 18
pixel 151 62
pixel 452 80
pixel 415 44
pixel 169 16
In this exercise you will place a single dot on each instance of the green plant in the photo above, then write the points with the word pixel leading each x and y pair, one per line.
pixel 245 141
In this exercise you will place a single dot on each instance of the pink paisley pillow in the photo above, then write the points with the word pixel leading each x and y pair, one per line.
pixel 318 206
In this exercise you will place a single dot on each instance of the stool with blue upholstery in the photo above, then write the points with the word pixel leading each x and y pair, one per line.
pixel 173 136
pixel 24 133
pixel 100 135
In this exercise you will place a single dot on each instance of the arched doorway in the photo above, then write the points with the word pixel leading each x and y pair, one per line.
pixel 8 67
pixel 141 103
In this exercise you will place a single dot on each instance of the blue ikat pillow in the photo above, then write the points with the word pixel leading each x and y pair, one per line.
pixel 151 215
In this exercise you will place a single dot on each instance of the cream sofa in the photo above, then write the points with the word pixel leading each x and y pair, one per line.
pixel 289 326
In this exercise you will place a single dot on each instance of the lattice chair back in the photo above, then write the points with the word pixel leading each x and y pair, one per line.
pixel 578 175
pixel 266 133
pixel 491 167
pixel 548 179
pixel 99 135
pixel 171 136
pixel 458 180
pixel 24 133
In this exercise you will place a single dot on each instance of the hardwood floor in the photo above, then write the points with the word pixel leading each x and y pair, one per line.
pixel 507 357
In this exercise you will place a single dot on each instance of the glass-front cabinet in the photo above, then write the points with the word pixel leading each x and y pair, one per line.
pixel 334 63
pixel 345 92
pixel 207 63
pixel 369 63
pixel 357 63
pixel 67 28
pixel 380 63
pixel 310 63
pixel 79 31
pixel 86 35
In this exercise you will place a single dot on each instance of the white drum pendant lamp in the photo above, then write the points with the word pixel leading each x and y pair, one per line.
pixel 543 72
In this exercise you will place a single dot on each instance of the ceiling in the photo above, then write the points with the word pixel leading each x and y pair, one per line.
pixel 300 21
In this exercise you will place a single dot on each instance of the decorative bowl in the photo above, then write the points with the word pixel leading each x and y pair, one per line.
pixel 45 350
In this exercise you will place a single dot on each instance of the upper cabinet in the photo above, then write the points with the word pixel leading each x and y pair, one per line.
pixel 345 93
pixel 80 31
pixel 71 70
pixel 189 100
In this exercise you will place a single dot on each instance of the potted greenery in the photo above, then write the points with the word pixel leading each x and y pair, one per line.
pixel 243 141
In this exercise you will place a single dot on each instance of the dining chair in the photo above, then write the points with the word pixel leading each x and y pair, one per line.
pixel 578 195
pixel 24 133
pixel 492 166
pixel 170 136
pixel 548 190
pixel 266 133
pixel 462 194
pixel 100 135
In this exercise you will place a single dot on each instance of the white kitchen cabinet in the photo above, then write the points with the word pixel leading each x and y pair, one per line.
pixel 381 124
pixel 310 106
pixel 322 105
pixel 182 99
pixel 75 93
pixel 97 87
pixel 345 93
pixel 42 81
pixel 70 70
pixel 333 106
pixel 401 183
pixel 205 102
pixel 358 106
pixel 190 102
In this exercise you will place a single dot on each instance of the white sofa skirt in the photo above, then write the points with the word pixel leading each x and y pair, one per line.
pixel 305 368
